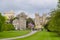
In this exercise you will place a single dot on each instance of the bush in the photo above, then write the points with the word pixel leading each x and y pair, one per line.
pixel 7 27
pixel 46 26
pixel 10 27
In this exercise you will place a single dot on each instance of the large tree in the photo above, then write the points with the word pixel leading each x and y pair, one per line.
pixel 54 24
pixel 2 21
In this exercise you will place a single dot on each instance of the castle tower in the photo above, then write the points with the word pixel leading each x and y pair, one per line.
pixel 37 21
pixel 22 21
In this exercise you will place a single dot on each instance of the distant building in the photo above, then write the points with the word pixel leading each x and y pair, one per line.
pixel 38 21
pixel 20 23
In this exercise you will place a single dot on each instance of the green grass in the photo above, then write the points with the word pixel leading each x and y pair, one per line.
pixel 8 34
pixel 42 36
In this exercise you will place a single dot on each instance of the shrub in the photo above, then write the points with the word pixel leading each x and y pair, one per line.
pixel 7 27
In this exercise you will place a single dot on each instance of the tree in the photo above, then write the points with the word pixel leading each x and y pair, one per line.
pixel 7 27
pixel 54 24
pixel 29 20
pixel 2 21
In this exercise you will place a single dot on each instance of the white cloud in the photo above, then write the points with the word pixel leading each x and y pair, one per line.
pixel 29 6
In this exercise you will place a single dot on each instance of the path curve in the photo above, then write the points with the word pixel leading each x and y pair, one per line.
pixel 31 33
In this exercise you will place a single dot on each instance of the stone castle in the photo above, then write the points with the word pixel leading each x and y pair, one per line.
pixel 20 22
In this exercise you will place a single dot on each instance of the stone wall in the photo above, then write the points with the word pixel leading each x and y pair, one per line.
pixel 37 21
pixel 40 21
pixel 21 21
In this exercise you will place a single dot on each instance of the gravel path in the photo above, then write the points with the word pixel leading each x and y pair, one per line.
pixel 31 33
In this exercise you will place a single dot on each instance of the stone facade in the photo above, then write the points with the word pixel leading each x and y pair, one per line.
pixel 21 21
pixel 37 21
pixel 40 21
pixel 16 24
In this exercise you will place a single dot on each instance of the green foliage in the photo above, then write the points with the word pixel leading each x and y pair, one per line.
pixel 7 27
pixel 10 27
pixel 46 26
pixel 59 4
pixel 54 24
pixel 2 21
pixel 3 25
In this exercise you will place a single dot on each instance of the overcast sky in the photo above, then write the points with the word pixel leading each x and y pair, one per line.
pixel 28 6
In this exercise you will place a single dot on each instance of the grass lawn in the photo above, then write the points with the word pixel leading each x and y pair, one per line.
pixel 43 35
pixel 7 34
